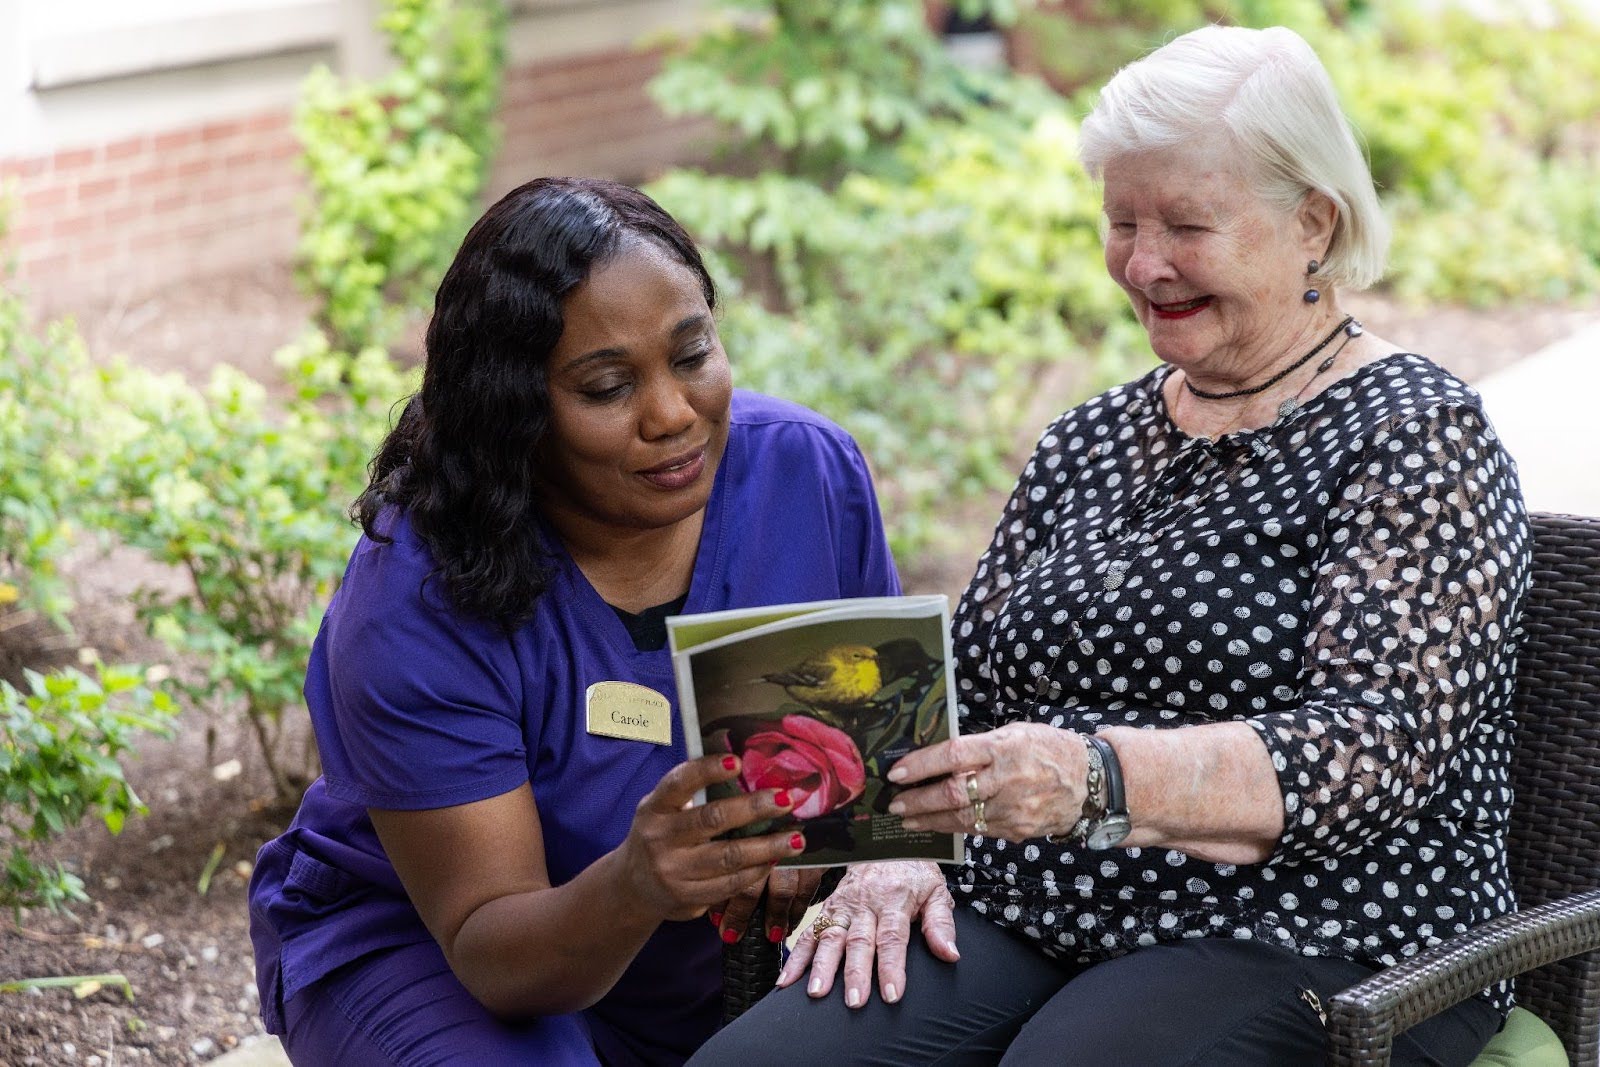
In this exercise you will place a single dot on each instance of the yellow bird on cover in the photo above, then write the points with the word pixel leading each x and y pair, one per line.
pixel 838 677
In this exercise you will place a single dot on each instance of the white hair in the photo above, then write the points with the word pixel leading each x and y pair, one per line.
pixel 1271 95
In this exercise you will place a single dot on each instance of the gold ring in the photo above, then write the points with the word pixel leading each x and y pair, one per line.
pixel 972 789
pixel 978 824
pixel 828 922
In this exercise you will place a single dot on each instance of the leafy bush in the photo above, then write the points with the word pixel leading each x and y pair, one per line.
pixel 395 165
pixel 247 493
pixel 60 742
pixel 46 410
pixel 928 245
pixel 60 748
pixel 248 500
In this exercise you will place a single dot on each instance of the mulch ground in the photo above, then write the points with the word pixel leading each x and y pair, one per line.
pixel 186 954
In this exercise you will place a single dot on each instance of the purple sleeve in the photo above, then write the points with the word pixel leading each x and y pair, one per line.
pixel 415 706
pixel 867 566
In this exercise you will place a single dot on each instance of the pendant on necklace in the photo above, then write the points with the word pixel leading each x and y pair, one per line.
pixel 1288 407
pixel 1115 573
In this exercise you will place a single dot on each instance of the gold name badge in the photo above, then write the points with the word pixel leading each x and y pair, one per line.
pixel 631 712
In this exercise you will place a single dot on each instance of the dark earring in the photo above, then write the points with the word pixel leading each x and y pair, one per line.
pixel 1311 295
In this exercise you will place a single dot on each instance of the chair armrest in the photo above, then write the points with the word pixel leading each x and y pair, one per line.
pixel 750 965
pixel 1363 1020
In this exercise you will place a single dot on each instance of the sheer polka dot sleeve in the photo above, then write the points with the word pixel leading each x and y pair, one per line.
pixel 1422 571
pixel 1029 511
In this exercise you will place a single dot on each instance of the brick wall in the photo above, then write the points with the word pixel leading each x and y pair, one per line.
pixel 122 219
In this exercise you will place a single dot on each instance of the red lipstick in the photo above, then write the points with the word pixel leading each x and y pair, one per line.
pixel 1182 309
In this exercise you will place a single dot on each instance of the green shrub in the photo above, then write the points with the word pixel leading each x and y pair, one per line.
pixel 930 244
pixel 248 500
pixel 47 407
pixel 247 492
pixel 395 165
pixel 61 744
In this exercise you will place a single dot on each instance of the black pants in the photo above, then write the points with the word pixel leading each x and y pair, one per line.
pixel 1210 1002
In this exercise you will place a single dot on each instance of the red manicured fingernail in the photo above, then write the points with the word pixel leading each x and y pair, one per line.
pixel 729 763
pixel 716 918
pixel 775 934
pixel 796 841
pixel 730 935
pixel 781 798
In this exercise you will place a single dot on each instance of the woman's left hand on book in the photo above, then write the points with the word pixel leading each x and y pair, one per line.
pixel 1030 777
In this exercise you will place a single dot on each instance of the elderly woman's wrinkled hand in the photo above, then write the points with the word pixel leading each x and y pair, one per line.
pixel 869 918
pixel 1021 781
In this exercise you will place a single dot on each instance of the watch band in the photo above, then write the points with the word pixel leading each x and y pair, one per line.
pixel 1116 798
pixel 1112 826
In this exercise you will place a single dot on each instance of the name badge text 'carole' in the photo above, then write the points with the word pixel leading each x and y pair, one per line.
pixel 630 712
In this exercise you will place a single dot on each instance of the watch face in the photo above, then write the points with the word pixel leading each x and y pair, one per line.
pixel 1109 832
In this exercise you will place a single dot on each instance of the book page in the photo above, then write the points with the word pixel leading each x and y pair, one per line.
pixel 822 703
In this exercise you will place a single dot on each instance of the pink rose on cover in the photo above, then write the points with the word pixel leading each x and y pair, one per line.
pixel 819 765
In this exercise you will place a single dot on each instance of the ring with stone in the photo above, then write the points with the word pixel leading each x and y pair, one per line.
pixel 979 826
pixel 827 922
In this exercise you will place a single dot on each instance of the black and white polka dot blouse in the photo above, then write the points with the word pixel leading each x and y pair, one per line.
pixel 1348 581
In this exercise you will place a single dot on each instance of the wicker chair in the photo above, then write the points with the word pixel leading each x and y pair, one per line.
pixel 1554 941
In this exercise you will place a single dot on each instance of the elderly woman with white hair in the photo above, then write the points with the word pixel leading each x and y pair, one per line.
pixel 1235 671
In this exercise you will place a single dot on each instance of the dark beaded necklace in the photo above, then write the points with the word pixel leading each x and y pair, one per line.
pixel 1276 378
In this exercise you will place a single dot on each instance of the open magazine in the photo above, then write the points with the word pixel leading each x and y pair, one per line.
pixel 821 699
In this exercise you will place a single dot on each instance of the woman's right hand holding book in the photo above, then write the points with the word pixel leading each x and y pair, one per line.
pixel 672 857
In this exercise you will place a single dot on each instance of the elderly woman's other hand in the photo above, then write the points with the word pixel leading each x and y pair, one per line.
pixel 869 917
pixel 1023 780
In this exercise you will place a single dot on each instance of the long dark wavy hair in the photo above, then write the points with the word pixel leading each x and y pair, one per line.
pixel 463 459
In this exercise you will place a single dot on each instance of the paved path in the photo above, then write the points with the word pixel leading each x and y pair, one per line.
pixel 256 1052
pixel 1547 409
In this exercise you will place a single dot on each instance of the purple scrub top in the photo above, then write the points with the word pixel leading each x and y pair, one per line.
pixel 417 706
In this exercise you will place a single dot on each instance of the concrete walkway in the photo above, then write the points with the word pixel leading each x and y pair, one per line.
pixel 1546 407
pixel 261 1051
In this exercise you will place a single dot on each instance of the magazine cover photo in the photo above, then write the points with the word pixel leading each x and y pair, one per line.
pixel 824 709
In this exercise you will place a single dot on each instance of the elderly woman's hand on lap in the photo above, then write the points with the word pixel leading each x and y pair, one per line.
pixel 871 913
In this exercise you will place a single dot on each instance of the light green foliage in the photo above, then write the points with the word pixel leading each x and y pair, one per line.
pixel 395 165
pixel 47 404
pixel 60 742
pixel 248 499
pixel 824 83
pixel 1495 199
pixel 60 746
pixel 927 246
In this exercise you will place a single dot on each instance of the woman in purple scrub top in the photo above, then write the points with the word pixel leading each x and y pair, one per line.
pixel 492 869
